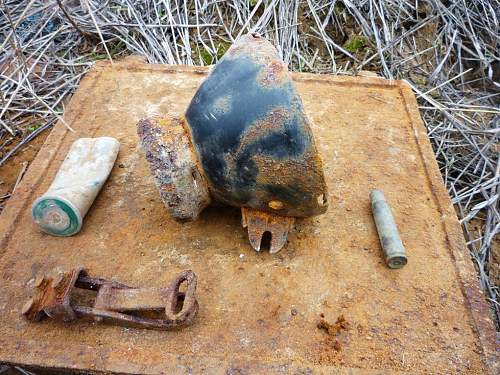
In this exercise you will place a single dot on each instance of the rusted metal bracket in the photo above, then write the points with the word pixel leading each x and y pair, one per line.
pixel 114 302
pixel 259 222
pixel 245 141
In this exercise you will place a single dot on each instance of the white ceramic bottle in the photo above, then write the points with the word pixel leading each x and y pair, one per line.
pixel 60 211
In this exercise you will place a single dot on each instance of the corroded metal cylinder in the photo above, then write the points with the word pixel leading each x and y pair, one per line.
pixel 172 162
pixel 388 233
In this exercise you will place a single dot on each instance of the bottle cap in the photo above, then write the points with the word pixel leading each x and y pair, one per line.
pixel 56 216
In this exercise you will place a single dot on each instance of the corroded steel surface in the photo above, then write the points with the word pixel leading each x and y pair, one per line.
pixel 252 135
pixel 55 297
pixel 244 141
pixel 259 313
pixel 173 164
pixel 259 222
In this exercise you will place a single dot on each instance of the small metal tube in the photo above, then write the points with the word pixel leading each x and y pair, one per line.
pixel 388 233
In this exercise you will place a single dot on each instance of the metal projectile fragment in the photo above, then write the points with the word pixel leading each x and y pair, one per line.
pixel 244 141
pixel 115 302
pixel 388 233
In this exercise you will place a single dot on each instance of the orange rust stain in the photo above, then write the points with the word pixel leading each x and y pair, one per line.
pixel 335 328
pixel 273 74
pixel 275 205
pixel 257 49
pixel 128 234
pixel 273 121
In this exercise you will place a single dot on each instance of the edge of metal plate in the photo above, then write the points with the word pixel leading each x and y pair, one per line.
pixel 474 297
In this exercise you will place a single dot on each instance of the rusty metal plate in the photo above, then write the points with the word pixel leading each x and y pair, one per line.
pixel 326 303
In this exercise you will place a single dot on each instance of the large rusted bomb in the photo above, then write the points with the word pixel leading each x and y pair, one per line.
pixel 245 141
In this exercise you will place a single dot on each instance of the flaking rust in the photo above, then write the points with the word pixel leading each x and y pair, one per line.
pixel 244 141
pixel 115 302
pixel 259 222
pixel 172 161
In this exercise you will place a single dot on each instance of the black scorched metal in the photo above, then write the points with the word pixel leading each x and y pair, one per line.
pixel 245 141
